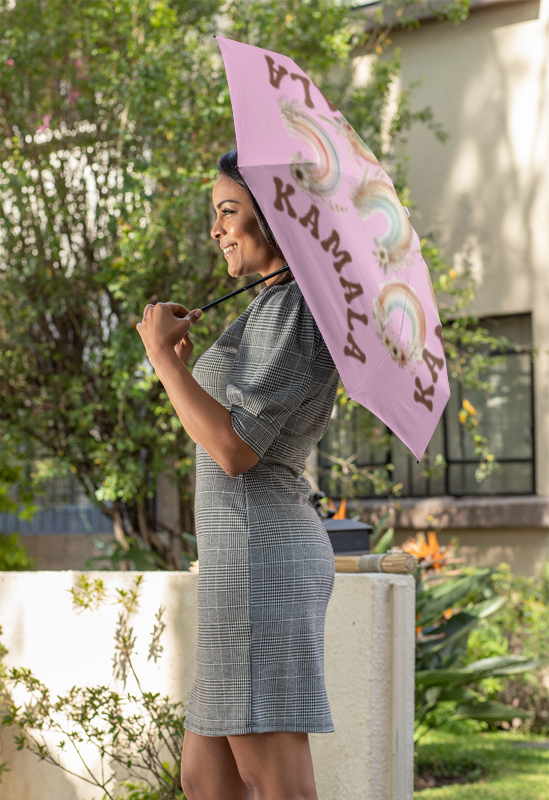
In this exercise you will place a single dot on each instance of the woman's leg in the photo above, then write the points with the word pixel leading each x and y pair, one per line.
pixel 275 766
pixel 209 771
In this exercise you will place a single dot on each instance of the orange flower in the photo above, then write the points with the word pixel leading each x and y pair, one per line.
pixel 428 551
pixel 341 510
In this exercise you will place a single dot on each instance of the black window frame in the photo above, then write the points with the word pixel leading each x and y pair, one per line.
pixel 512 350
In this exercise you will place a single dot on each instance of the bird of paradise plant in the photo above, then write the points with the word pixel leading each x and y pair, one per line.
pixel 449 604
pixel 428 551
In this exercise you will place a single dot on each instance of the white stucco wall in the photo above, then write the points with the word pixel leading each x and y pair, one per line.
pixel 369 672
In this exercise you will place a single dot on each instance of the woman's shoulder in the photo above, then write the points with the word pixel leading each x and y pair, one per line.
pixel 284 308
pixel 281 293
pixel 281 303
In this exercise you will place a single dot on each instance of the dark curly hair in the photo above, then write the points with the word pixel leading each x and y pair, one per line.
pixel 228 166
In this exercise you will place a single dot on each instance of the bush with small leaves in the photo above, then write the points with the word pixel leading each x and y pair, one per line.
pixel 137 732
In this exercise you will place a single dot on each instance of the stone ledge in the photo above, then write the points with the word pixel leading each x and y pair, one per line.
pixel 530 511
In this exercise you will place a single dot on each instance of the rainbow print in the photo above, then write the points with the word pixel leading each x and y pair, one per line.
pixel 398 296
pixel 393 247
pixel 323 176
pixel 359 149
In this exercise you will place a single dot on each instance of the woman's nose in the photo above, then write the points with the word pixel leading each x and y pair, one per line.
pixel 218 230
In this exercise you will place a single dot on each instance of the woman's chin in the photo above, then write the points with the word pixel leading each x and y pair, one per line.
pixel 237 271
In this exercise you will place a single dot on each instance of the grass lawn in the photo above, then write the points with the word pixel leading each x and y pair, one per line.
pixel 498 766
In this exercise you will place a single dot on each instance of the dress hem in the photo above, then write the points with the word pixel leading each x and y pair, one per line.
pixel 261 729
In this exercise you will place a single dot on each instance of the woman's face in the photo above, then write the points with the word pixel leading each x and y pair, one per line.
pixel 238 233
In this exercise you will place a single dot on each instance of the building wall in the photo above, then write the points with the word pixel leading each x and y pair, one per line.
pixel 488 530
pixel 485 193
pixel 369 667
pixel 525 549
pixel 63 550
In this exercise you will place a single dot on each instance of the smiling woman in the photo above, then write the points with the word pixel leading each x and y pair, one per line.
pixel 256 404
pixel 232 181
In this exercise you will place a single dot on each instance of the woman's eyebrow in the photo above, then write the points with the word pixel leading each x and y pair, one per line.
pixel 227 201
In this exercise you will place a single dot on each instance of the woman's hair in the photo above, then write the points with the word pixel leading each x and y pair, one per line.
pixel 228 165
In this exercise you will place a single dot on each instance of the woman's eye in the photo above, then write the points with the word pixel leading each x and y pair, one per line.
pixel 227 211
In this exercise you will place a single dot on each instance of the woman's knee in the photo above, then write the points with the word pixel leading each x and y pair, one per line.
pixel 264 785
pixel 190 782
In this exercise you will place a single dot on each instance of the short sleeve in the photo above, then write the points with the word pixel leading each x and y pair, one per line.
pixel 273 366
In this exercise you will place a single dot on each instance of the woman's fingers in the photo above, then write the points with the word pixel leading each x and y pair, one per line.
pixel 193 315
pixel 177 309
pixel 168 325
pixel 181 311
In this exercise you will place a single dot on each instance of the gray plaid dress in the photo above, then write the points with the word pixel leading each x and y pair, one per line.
pixel 266 563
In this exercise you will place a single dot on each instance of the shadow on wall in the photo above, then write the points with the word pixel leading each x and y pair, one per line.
pixel 487 81
pixel 20 783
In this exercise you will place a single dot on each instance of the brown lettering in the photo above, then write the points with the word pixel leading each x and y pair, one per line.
pixel 283 196
pixel 438 332
pixel 355 290
pixel 329 102
pixel 311 217
pixel 355 350
pixel 333 242
pixel 306 83
pixel 353 315
pixel 433 363
pixel 275 73
pixel 422 394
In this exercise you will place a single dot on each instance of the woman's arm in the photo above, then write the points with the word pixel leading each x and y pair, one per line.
pixel 205 420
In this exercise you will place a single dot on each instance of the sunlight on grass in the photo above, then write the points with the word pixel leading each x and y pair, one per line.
pixel 511 770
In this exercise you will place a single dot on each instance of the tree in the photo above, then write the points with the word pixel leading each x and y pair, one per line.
pixel 17 495
pixel 112 117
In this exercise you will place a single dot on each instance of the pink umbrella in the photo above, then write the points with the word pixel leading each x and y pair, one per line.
pixel 347 239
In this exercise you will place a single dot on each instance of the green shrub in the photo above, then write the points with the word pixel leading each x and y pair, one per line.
pixel 137 734
pixel 520 627
pixel 13 555
pixel 456 683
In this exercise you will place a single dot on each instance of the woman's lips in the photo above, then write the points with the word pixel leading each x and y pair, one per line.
pixel 228 251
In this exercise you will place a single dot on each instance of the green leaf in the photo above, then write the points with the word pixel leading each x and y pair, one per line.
pixel 489 711
pixel 505 665
pixel 458 625
pixel 486 667
pixel 432 603
pixel 385 542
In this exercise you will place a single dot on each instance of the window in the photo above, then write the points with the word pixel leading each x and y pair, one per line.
pixel 505 417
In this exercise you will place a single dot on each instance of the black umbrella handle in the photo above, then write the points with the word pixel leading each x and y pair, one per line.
pixel 249 286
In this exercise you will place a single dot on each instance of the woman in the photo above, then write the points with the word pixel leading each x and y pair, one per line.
pixel 256 404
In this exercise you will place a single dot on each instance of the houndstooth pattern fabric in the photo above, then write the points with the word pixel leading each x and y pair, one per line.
pixel 266 563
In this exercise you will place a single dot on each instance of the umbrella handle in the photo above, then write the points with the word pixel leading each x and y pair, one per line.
pixel 249 286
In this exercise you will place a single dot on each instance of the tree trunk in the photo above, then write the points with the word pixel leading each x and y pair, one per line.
pixel 154 541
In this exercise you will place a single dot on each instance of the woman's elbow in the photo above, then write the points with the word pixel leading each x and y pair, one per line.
pixel 237 464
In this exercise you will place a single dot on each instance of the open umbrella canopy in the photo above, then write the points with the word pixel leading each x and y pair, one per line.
pixel 347 239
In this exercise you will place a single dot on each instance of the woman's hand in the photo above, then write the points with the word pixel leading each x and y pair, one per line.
pixel 165 327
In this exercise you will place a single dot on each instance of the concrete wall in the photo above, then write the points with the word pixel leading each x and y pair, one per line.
pixel 61 551
pixel 369 673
